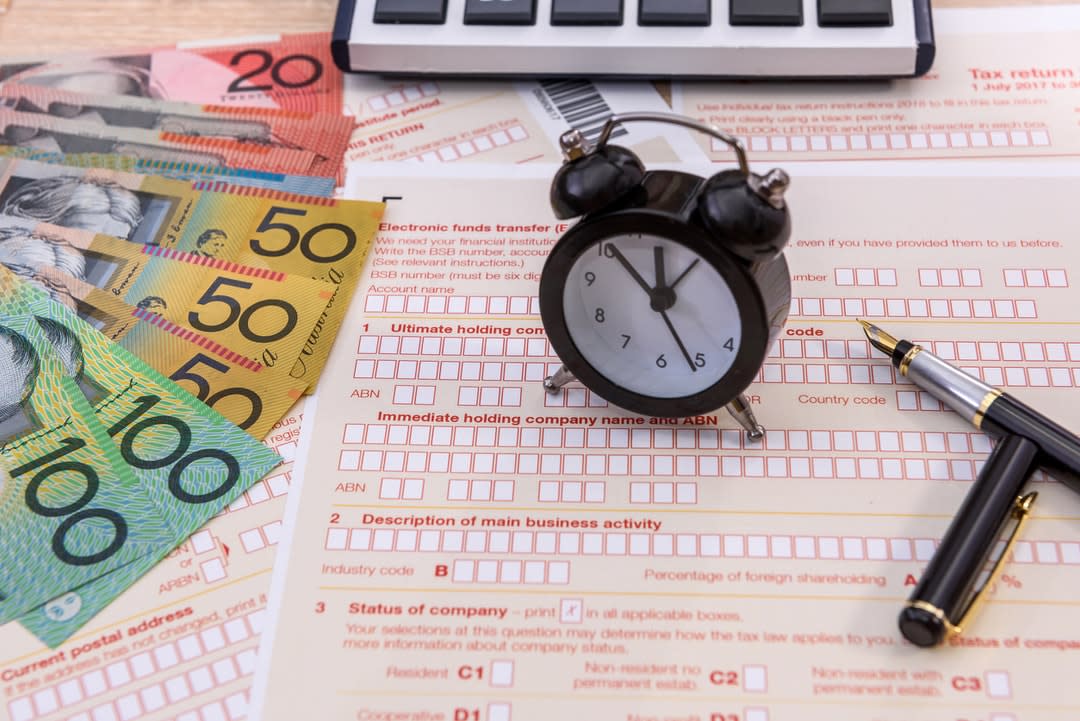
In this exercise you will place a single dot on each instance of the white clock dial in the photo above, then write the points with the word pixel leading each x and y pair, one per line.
pixel 662 337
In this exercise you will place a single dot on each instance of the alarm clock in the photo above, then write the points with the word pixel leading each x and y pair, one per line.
pixel 664 298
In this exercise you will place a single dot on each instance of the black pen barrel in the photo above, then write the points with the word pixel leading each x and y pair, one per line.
pixel 1059 449
pixel 948 584
pixel 992 411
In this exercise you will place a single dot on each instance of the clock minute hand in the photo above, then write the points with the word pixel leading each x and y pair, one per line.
pixel 617 255
pixel 678 340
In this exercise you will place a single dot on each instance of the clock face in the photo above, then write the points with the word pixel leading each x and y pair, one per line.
pixel 651 315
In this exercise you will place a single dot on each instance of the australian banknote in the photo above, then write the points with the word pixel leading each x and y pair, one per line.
pixel 315 237
pixel 190 459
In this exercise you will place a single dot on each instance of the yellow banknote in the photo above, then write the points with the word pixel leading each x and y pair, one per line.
pixel 316 237
pixel 268 316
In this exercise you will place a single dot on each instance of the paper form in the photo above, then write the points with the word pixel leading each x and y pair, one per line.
pixel 467 547
pixel 181 642
pixel 997 93
pixel 443 121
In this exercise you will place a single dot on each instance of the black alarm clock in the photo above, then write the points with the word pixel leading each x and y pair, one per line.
pixel 665 297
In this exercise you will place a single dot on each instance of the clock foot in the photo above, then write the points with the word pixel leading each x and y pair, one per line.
pixel 555 382
pixel 740 410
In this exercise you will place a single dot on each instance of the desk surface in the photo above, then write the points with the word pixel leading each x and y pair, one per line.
pixel 39 27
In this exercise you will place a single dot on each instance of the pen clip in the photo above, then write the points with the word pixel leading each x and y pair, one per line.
pixel 1021 511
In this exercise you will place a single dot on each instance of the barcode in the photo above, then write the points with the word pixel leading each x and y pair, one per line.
pixel 581 106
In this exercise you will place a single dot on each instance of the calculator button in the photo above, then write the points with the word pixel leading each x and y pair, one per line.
pixel 674 12
pixel 866 13
pixel 416 12
pixel 586 12
pixel 766 12
pixel 500 12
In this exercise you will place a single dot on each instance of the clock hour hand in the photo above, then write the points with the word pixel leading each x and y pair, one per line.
pixel 678 340
pixel 658 264
pixel 617 255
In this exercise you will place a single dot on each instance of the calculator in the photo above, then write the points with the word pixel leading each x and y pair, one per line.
pixel 636 38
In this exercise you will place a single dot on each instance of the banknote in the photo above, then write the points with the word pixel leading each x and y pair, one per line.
pixel 71 510
pixel 250 395
pixel 264 315
pixel 295 72
pixel 316 237
pixel 51 134
pixel 191 459
pixel 211 176
pixel 324 134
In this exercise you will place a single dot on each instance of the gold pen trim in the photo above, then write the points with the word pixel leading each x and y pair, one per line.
pixel 908 357
pixel 980 412
pixel 1021 511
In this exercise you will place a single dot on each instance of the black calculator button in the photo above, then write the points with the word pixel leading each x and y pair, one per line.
pixel 862 13
pixel 766 12
pixel 674 12
pixel 500 12
pixel 417 12
pixel 586 12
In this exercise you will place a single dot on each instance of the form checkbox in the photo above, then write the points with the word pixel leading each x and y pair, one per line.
pixel 571 610
pixel 755 679
pixel 502 674
pixel 756 714
pixel 998 685
pixel 498 712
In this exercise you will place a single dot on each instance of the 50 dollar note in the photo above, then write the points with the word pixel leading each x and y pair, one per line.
pixel 251 396
pixel 267 316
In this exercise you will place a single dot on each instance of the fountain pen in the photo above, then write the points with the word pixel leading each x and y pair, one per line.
pixel 987 408
pixel 946 597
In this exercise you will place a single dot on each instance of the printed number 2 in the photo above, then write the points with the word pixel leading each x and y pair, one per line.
pixel 266 61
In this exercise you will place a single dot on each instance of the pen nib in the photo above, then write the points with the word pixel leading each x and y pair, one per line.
pixel 879 338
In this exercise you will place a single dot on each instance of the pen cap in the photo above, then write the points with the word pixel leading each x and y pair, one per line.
pixel 1059 450
pixel 946 590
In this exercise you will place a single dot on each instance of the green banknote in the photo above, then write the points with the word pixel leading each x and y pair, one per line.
pixel 191 459
pixel 71 509
pixel 187 170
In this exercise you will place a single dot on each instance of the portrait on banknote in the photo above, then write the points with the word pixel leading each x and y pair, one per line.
pixel 88 203
pixel 18 373
pixel 111 76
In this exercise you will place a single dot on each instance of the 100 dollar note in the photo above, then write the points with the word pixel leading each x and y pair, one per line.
pixel 190 459
pixel 71 509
